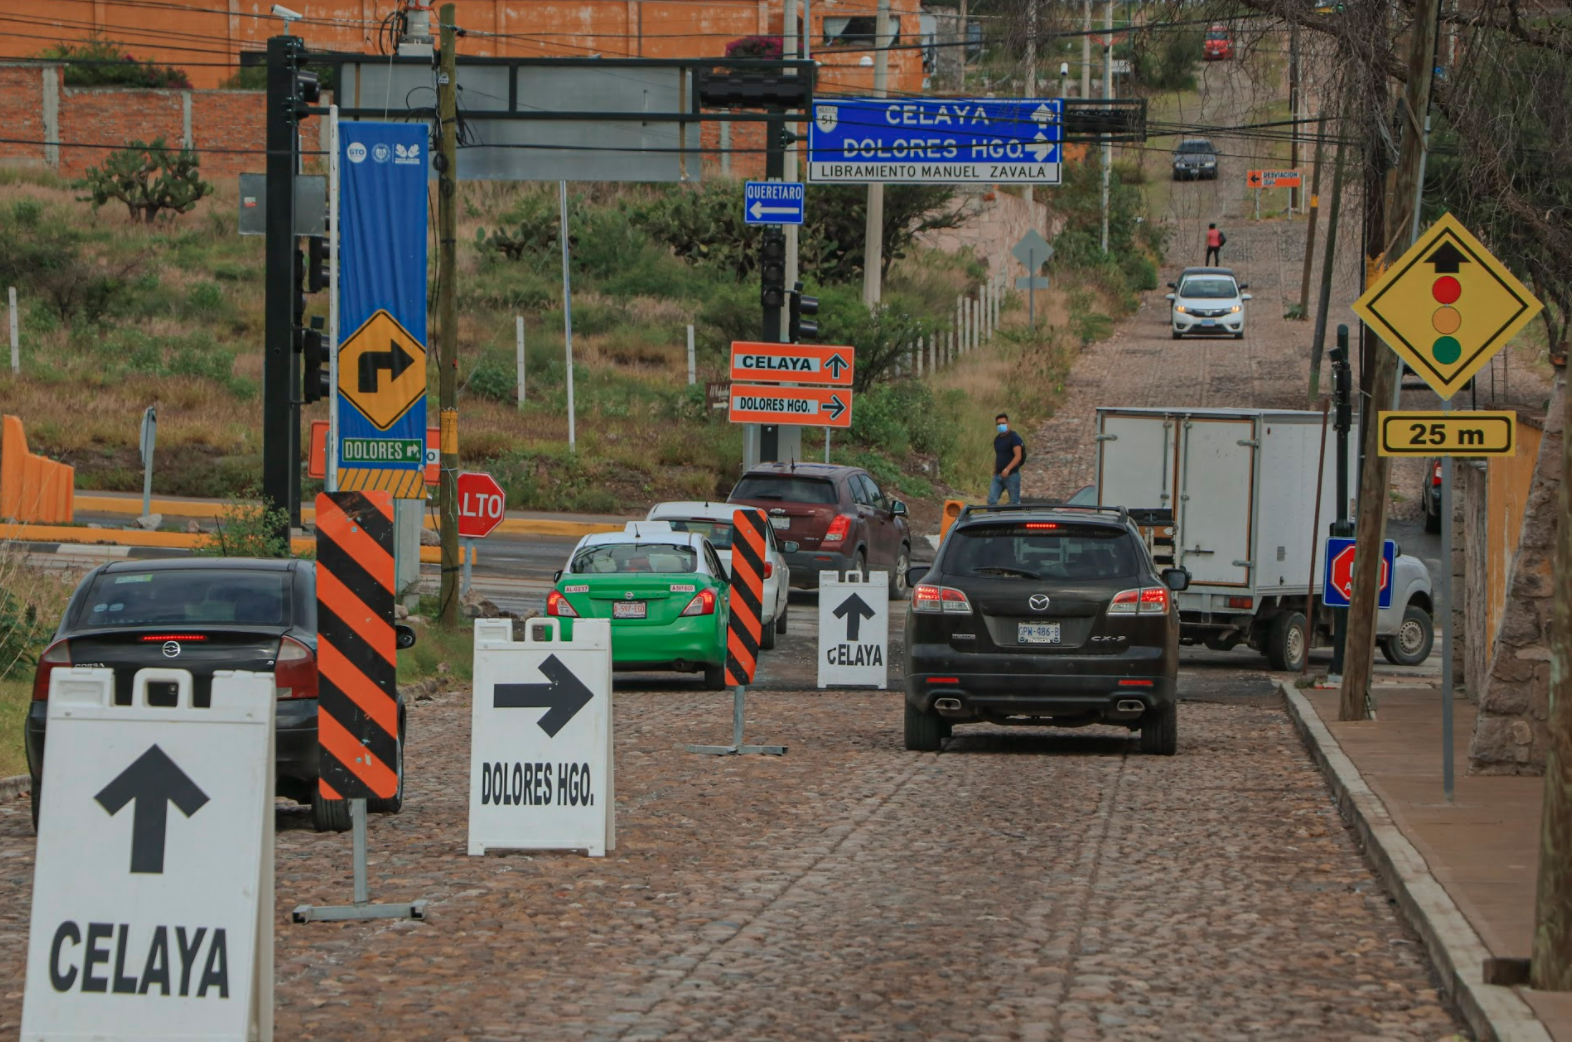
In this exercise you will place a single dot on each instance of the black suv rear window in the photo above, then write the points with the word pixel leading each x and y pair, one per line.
pixel 1195 146
pixel 786 488
pixel 165 597
pixel 1044 550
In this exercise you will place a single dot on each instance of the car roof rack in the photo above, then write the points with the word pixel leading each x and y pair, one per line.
pixel 1006 508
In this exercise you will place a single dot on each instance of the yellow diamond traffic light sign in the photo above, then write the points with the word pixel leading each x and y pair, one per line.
pixel 1447 306
pixel 382 370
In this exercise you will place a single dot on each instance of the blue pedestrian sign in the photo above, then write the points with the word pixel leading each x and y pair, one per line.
pixel 936 140
pixel 1339 589
pixel 773 202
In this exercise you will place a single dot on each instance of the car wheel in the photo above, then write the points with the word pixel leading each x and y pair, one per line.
pixel 394 803
pixel 860 563
pixel 1411 644
pixel 925 732
pixel 1239 335
pixel 328 815
pixel 903 562
pixel 1160 732
pixel 1432 520
pixel 767 636
pixel 715 678
pixel 1176 334
pixel 1287 644
pixel 780 620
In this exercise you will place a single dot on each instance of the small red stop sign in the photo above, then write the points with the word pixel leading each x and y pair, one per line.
pixel 481 504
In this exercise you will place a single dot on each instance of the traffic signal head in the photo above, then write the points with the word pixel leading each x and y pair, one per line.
pixel 307 92
pixel 314 362
pixel 772 268
pixel 316 263
pixel 802 328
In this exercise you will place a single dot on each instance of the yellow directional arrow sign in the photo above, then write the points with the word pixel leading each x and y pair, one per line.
pixel 382 369
pixel 1447 306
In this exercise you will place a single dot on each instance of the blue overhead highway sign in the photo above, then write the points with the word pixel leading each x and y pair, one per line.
pixel 773 202
pixel 936 140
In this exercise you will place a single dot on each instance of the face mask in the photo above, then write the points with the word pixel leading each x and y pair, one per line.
pixel 1004 428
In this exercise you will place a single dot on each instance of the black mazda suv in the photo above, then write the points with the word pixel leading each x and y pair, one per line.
pixel 1043 615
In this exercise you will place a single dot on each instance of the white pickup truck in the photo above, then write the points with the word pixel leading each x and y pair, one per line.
pixel 1230 496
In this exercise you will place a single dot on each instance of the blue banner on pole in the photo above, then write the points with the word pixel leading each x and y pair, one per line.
pixel 382 307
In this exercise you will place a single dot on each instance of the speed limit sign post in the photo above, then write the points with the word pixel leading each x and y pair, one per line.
pixel 481 507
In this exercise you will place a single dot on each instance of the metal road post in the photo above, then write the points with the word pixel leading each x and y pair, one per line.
pixel 279 467
pixel 519 336
pixel 873 236
pixel 447 312
pixel 1446 619
pixel 16 344
pixel 331 470
pixel 149 436
pixel 567 306
pixel 1342 393
pixel 1107 93
pixel 693 366
pixel 737 748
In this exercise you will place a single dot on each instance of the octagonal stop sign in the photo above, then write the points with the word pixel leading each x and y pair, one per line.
pixel 1339 588
pixel 481 505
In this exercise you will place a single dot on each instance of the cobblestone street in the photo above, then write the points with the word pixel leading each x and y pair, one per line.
pixel 1019 885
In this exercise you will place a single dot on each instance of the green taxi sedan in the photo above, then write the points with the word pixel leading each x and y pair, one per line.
pixel 664 591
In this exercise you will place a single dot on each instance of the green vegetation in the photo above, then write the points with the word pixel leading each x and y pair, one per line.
pixel 147 179
pixel 247 529
pixel 97 62
pixel 31 603
pixel 14 697
pixel 438 652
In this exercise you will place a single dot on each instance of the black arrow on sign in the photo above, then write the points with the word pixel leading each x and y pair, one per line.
pixel 154 781
pixel 564 696
pixel 834 408
pixel 854 609
pixel 1446 258
pixel 837 365
pixel 395 360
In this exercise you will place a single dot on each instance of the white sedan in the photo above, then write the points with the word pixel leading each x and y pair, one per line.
pixel 714 522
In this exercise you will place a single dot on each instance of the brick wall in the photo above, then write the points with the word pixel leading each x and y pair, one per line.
pixel 22 115
pixel 110 116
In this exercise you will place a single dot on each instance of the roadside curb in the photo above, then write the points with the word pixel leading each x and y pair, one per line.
pixel 14 786
pixel 1492 1012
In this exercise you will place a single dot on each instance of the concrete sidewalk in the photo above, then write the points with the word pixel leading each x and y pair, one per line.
pixel 1462 872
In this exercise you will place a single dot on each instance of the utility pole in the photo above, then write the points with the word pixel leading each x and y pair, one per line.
pixel 1031 49
pixel 1551 965
pixel 447 312
pixel 789 50
pixel 873 244
pixel 1295 99
pixel 1328 260
pixel 1086 48
pixel 1107 93
pixel 1382 364
pixel 1315 209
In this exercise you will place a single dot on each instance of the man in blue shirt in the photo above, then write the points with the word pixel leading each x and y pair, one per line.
pixel 1009 452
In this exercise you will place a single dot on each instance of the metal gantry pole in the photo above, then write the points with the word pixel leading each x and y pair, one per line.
pixel 567 308
pixel 334 174
pixel 1447 679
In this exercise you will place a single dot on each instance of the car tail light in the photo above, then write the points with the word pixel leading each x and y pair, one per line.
pixel 1152 600
pixel 558 605
pixel 840 528
pixel 769 569
pixel 1241 602
pixel 940 599
pixel 295 674
pixel 702 604
pixel 57 654
pixel 1435 476
pixel 1034 525
pixel 185 638
pixel 1135 683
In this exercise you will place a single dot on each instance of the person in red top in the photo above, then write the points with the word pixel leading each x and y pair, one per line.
pixel 1214 245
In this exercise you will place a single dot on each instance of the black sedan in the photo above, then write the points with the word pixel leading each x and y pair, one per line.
pixel 204 615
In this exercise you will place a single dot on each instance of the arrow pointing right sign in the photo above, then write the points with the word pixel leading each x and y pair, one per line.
pixel 563 696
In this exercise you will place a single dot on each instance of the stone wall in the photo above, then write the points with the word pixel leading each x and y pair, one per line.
pixel 1510 735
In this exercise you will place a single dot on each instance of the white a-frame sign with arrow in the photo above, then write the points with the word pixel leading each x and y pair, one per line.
pixel 854 629
pixel 153 890
pixel 540 766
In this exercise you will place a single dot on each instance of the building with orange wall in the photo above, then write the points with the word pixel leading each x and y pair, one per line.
pixel 207 38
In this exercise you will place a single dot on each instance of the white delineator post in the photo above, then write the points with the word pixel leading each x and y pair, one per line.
pixel 518 325
pixel 693 368
pixel 16 345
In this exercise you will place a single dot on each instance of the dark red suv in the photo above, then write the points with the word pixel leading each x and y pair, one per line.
pixel 839 517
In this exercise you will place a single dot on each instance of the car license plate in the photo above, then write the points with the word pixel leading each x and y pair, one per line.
pixel 780 524
pixel 1037 633
pixel 630 610
pixel 1208 321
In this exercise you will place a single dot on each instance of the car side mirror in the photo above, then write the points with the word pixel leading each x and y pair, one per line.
pixel 1245 296
pixel 790 547
pixel 898 508
pixel 1173 285
pixel 916 575
pixel 406 635
pixel 1168 296
pixel 1176 579
pixel 1244 285
pixel 556 576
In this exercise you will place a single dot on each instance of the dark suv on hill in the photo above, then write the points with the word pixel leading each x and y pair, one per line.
pixel 1043 615
pixel 839 517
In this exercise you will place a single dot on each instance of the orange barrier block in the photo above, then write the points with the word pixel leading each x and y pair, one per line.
pixel 952 510
pixel 32 488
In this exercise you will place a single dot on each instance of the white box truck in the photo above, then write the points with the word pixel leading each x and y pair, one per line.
pixel 1230 496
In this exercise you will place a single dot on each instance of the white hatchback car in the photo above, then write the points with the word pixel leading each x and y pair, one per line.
pixel 713 521
pixel 1209 302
